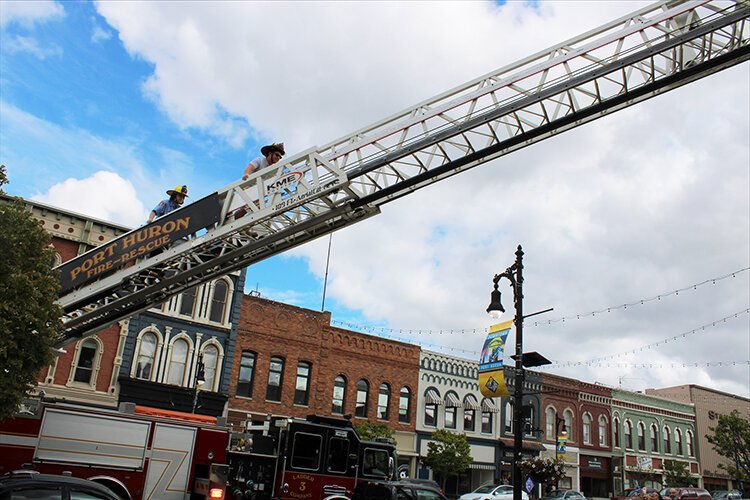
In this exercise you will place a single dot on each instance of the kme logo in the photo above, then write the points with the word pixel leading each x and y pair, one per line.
pixel 285 181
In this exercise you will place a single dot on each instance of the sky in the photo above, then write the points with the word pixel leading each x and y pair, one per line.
pixel 635 227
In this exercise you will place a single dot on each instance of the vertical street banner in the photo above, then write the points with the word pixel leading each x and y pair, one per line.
pixel 561 453
pixel 491 375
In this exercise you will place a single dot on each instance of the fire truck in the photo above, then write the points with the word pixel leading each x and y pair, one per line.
pixel 137 452
pixel 293 459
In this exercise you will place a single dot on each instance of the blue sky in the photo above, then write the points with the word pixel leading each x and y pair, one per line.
pixel 104 106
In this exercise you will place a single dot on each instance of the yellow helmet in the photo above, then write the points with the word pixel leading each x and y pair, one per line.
pixel 178 190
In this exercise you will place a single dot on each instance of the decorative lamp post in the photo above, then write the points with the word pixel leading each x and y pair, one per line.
pixel 559 422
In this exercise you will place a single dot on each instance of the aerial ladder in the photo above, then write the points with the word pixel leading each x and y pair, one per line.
pixel 638 56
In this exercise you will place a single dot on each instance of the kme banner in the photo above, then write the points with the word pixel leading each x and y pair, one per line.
pixel 491 374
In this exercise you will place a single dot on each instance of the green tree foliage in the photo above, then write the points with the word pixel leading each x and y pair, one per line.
pixel 29 317
pixel 731 439
pixel 370 430
pixel 448 453
pixel 676 474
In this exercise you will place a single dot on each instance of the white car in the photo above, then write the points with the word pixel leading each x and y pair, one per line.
pixel 493 492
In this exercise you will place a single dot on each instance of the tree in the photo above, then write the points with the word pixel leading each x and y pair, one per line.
pixel 369 430
pixel 676 474
pixel 29 317
pixel 448 453
pixel 731 439
pixel 543 470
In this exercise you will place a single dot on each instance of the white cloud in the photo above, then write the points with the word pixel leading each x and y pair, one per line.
pixel 649 199
pixel 98 33
pixel 103 195
pixel 32 46
pixel 27 14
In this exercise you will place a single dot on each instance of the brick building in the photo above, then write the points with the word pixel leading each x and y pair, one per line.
pixel 290 361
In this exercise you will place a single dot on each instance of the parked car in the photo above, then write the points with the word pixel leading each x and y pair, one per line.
pixel 397 490
pixel 726 495
pixel 630 493
pixel 492 492
pixel 52 487
pixel 565 495
pixel 685 493
pixel 425 482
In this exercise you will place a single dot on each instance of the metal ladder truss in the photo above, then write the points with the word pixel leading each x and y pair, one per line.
pixel 653 50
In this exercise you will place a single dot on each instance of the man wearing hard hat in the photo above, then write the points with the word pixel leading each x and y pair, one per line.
pixel 176 199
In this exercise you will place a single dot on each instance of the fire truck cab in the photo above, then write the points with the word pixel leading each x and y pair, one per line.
pixel 317 458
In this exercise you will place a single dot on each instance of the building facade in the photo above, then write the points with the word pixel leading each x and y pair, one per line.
pixel 709 405
pixel 290 361
pixel 647 432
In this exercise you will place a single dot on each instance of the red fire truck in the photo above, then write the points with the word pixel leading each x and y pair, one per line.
pixel 137 452
pixel 293 459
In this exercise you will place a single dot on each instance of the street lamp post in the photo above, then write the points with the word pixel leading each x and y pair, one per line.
pixel 559 421
pixel 514 274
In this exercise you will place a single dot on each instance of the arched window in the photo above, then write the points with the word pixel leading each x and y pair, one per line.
pixel 508 422
pixel 302 386
pixel 210 364
pixel 246 375
pixel 275 379
pixel 678 441
pixel 628 430
pixel 641 436
pixel 451 404
pixel 177 362
pixel 488 408
pixel 689 441
pixel 363 393
pixel 667 443
pixel 339 395
pixel 568 416
pixel 529 426
pixel 470 408
pixel 219 301
pixel 85 364
pixel 586 421
pixel 404 405
pixel 146 357
pixel 602 430
pixel 431 401
pixel 187 302
pixel 384 401
pixel 654 438
pixel 616 431
pixel 549 423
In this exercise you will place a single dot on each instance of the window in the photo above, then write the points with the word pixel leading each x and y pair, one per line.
pixel 302 387
pixel 210 362
pixel 667 444
pixel 678 441
pixel 85 365
pixel 247 370
pixel 689 441
pixel 177 362
pixel 628 427
pixel 641 437
pixel 602 430
pixel 568 416
pixel 586 420
pixel 616 431
pixel 219 301
pixel 528 427
pixel 549 423
pixel 384 401
pixel 470 413
pixel 508 424
pixel 404 405
pixel 487 422
pixel 363 391
pixel 338 454
pixel 275 376
pixel 187 304
pixel 654 439
pixel 450 417
pixel 144 366
pixel 431 401
pixel 306 451
pixel 375 463
pixel 339 395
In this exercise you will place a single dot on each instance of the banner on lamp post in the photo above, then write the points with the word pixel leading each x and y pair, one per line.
pixel 491 374
pixel 560 453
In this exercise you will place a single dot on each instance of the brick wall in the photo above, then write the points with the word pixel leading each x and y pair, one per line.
pixel 270 328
